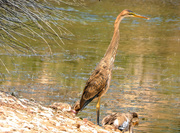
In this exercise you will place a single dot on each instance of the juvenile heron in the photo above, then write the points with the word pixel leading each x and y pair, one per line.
pixel 99 81
pixel 122 121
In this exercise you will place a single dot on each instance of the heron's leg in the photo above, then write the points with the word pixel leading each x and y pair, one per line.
pixel 98 110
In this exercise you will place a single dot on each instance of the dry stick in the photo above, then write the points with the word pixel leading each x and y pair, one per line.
pixel 34 17
pixel 32 30
pixel 25 45
pixel 47 24
pixel 5 66
pixel 8 33
pixel 41 38
pixel 44 29
pixel 19 34
pixel 6 49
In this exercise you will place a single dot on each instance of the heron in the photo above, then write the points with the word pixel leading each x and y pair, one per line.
pixel 125 122
pixel 99 81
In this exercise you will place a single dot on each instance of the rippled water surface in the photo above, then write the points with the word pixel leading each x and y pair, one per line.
pixel 146 73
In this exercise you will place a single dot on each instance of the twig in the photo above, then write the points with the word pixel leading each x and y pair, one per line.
pixel 5 66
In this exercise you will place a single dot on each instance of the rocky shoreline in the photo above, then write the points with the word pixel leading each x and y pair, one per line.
pixel 22 115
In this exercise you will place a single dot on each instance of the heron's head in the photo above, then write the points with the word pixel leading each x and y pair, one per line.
pixel 76 107
pixel 129 13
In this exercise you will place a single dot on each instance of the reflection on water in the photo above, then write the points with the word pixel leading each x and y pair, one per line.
pixel 146 74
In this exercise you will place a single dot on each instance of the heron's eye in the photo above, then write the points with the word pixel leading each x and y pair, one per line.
pixel 131 13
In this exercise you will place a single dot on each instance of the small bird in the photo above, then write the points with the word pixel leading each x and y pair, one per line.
pixel 125 122
pixel 99 81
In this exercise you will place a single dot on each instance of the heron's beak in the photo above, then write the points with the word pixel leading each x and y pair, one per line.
pixel 139 16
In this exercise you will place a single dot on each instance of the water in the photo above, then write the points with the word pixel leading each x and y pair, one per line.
pixel 146 74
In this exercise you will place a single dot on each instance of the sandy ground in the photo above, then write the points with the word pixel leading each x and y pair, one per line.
pixel 22 115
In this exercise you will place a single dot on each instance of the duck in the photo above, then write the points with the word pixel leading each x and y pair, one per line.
pixel 124 122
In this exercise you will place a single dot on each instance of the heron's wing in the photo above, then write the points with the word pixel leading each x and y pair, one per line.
pixel 96 84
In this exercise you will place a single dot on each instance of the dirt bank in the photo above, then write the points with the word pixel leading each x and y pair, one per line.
pixel 22 115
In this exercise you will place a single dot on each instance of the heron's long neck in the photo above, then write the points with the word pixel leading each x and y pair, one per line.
pixel 110 54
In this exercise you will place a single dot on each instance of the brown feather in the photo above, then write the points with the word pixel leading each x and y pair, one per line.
pixel 96 85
